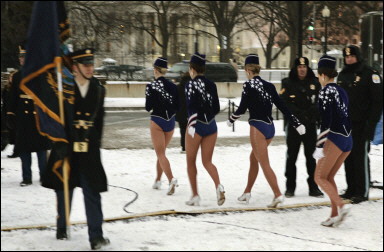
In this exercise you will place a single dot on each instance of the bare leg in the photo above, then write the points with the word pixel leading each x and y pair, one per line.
pixel 207 147
pixel 192 146
pixel 326 170
pixel 260 150
pixel 159 143
pixel 253 172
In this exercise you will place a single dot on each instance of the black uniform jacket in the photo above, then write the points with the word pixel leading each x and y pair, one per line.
pixel 365 89
pixel 301 97
pixel 28 139
pixel 85 126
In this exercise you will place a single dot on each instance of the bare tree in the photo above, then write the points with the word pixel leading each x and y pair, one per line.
pixel 223 16
pixel 155 18
pixel 262 21
pixel 92 23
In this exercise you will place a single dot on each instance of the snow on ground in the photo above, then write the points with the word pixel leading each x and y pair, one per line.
pixel 294 229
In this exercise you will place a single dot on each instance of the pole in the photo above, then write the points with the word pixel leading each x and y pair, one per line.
pixel 300 30
pixel 313 33
pixel 65 165
pixel 326 35
pixel 197 42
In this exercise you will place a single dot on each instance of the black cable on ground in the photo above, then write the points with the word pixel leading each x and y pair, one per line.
pixel 130 202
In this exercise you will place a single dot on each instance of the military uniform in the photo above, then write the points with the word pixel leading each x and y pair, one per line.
pixel 301 97
pixel 365 89
pixel 87 170
pixel 21 117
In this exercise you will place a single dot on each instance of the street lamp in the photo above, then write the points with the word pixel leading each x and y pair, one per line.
pixel 326 13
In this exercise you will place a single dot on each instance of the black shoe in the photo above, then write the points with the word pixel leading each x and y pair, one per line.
pixel 289 194
pixel 12 156
pixel 99 242
pixel 61 234
pixel 25 183
pixel 346 195
pixel 358 199
pixel 316 193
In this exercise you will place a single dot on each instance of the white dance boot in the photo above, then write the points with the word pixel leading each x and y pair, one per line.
pixel 194 201
pixel 276 201
pixel 245 197
pixel 220 194
pixel 342 213
pixel 157 185
pixel 172 186
pixel 329 222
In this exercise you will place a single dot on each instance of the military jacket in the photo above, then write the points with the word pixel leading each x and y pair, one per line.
pixel 258 97
pixel 202 100
pixel 21 105
pixel 333 106
pixel 87 127
pixel 162 97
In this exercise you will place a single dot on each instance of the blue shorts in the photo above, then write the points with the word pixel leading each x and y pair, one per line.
pixel 344 143
pixel 204 129
pixel 268 130
pixel 165 125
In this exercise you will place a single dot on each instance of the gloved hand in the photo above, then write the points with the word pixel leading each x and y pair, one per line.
pixel 229 123
pixel 318 154
pixel 301 129
pixel 191 131
pixel 11 121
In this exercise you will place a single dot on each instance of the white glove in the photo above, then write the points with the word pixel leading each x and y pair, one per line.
pixel 301 129
pixel 191 131
pixel 318 154
pixel 229 124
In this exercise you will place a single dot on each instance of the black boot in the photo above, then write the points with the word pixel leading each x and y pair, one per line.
pixel 315 192
pixel 26 183
pixel 99 242
pixel 61 234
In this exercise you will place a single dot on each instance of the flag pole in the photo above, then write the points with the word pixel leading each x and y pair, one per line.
pixel 65 166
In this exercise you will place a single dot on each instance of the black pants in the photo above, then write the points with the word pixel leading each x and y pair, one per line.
pixel 183 126
pixel 294 141
pixel 93 209
pixel 357 163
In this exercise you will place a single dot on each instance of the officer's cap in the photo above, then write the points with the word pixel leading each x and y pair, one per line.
pixel 198 59
pixel 351 50
pixel 301 61
pixel 252 59
pixel 84 56
pixel 327 61
pixel 161 62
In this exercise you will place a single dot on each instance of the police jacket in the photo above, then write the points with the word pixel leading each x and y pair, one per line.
pixel 301 97
pixel 202 100
pixel 365 89
pixel 87 126
pixel 333 107
pixel 162 97
pixel 258 96
pixel 21 110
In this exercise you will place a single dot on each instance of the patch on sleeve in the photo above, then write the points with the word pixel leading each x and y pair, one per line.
pixel 375 78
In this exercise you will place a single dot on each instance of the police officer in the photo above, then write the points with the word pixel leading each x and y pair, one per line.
pixel 365 89
pixel 85 160
pixel 300 92
pixel 21 118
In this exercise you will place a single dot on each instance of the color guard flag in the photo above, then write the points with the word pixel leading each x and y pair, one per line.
pixel 42 78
